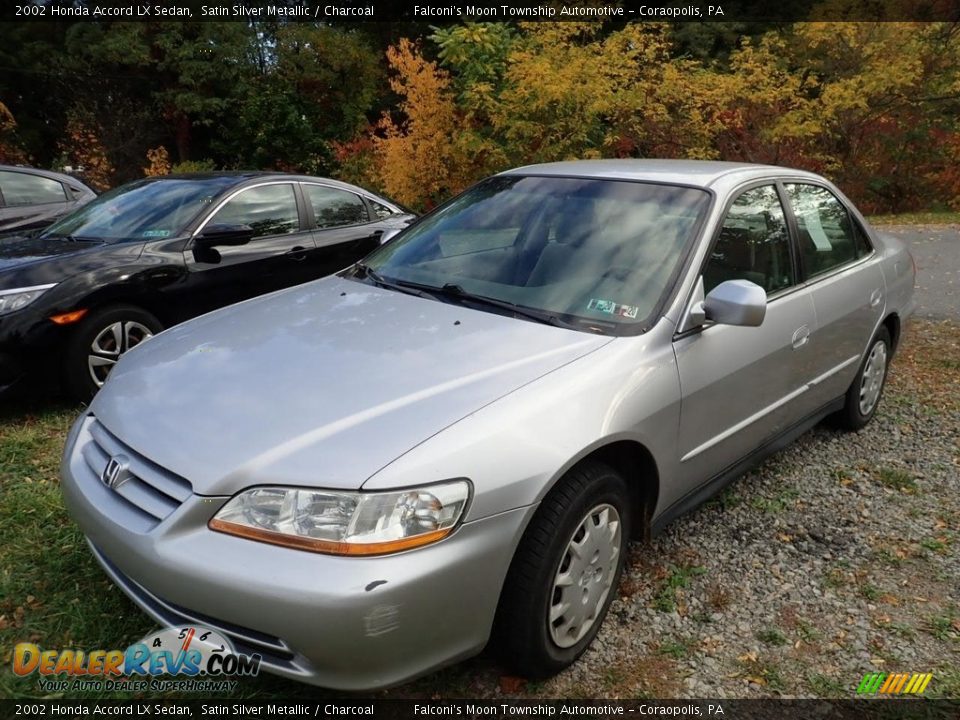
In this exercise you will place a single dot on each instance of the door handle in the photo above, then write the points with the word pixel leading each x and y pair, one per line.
pixel 800 337
pixel 875 298
pixel 296 254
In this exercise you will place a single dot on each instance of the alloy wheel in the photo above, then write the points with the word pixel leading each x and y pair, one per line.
pixel 110 344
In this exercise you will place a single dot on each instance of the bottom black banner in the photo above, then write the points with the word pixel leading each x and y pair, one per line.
pixel 882 709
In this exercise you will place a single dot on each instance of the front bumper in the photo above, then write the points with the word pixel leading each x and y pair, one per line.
pixel 29 341
pixel 343 623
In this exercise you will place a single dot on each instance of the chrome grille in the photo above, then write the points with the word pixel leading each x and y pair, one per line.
pixel 154 493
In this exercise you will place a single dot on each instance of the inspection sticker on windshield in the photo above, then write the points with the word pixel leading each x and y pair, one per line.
pixel 611 308
pixel 156 233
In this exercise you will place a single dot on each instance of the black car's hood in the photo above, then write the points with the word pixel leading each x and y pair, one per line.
pixel 36 261
pixel 19 250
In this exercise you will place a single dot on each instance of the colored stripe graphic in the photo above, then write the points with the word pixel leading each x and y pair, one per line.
pixel 894 684
pixel 870 683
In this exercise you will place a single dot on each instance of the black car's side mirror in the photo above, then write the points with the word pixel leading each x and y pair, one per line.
pixel 219 235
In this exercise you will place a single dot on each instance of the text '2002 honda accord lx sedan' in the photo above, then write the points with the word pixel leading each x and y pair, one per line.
pixel 371 475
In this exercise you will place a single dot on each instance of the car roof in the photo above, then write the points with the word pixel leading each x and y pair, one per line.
pixel 239 177
pixel 698 173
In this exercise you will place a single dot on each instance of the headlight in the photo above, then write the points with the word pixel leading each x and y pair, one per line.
pixel 345 523
pixel 11 300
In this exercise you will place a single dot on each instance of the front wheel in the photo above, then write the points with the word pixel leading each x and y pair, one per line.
pixel 99 341
pixel 863 396
pixel 565 572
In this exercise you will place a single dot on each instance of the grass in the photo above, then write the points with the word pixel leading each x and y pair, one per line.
pixel 772 636
pixel 870 592
pixel 677 578
pixel 677 649
pixel 895 479
pixel 828 687
pixel 944 626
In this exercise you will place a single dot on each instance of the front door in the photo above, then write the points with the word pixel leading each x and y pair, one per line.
pixel 740 385
pixel 276 257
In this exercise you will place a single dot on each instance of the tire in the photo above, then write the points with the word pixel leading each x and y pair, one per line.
pixel 93 348
pixel 863 396
pixel 532 639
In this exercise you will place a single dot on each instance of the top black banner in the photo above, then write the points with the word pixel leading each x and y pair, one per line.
pixel 433 12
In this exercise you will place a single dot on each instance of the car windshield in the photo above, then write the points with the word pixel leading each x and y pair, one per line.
pixel 599 253
pixel 153 208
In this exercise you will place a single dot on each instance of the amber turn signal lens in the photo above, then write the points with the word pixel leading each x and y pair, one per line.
pixel 70 317
pixel 327 547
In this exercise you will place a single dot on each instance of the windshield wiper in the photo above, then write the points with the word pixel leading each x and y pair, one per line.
pixel 362 270
pixel 452 291
pixel 71 238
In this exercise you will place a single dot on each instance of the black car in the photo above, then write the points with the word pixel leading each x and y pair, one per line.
pixel 31 199
pixel 161 250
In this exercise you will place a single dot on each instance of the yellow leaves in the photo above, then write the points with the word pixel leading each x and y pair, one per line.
pixel 831 97
pixel 420 156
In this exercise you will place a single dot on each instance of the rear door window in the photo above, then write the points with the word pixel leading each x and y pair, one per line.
pixel 827 235
pixel 333 207
pixel 26 189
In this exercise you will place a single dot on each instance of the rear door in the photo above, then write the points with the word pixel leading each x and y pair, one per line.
pixel 846 286
pixel 740 385
pixel 346 230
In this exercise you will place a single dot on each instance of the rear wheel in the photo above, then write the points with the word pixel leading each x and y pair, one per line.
pixel 863 396
pixel 99 341
pixel 565 572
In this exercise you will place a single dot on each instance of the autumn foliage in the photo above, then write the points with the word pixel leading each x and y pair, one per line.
pixel 10 153
pixel 872 105
pixel 83 150
pixel 158 160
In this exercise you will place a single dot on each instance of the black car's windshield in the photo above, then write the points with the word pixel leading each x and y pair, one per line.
pixel 153 208
pixel 598 250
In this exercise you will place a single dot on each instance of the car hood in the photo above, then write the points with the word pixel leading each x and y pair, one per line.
pixel 33 261
pixel 319 385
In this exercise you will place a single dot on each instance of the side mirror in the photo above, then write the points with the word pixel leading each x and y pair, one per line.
pixel 389 234
pixel 221 234
pixel 204 244
pixel 736 302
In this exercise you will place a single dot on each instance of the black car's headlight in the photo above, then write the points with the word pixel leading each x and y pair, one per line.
pixel 17 298
pixel 342 522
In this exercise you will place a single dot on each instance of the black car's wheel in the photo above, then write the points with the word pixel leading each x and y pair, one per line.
pixel 565 572
pixel 864 393
pixel 98 343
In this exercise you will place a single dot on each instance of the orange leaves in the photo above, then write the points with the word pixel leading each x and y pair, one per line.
pixel 83 149
pixel 159 160
pixel 10 153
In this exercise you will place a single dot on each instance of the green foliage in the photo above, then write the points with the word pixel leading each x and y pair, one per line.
pixel 193 166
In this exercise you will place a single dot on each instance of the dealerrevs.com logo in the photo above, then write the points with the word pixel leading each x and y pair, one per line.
pixel 201 659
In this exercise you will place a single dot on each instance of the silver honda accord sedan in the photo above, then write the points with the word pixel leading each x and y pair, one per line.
pixel 372 475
